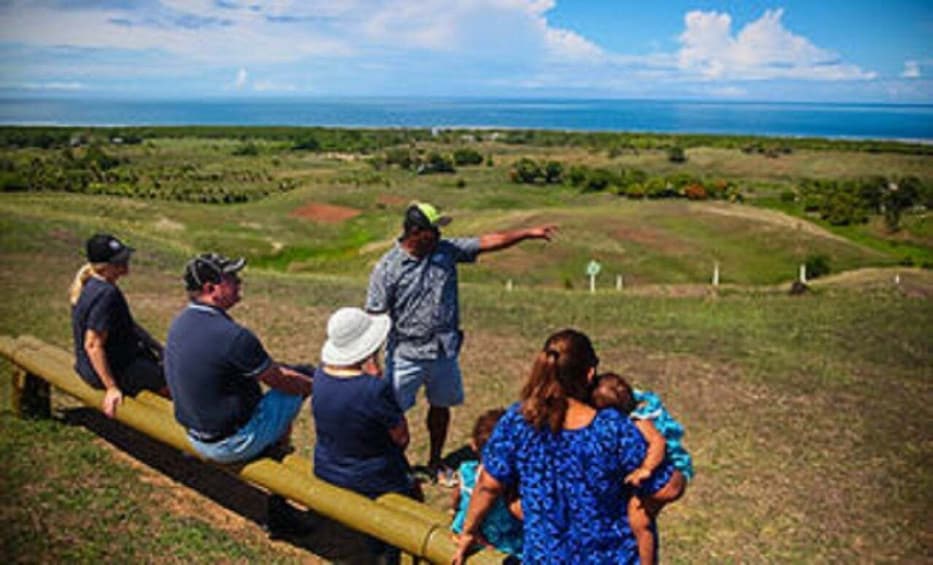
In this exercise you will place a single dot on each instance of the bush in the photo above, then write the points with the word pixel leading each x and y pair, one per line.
pixel 247 149
pixel 553 172
pixel 599 180
pixel 436 163
pixel 307 143
pixel 817 266
pixel 526 171
pixel 695 191
pixel 466 156
pixel 13 182
pixel 676 154
pixel 399 156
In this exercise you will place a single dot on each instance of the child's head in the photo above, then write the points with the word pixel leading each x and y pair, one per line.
pixel 483 427
pixel 611 391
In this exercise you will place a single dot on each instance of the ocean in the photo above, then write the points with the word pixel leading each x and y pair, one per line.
pixel 852 121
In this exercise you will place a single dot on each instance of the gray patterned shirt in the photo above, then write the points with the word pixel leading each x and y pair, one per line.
pixel 420 295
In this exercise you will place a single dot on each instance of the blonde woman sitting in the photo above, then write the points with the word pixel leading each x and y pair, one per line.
pixel 112 351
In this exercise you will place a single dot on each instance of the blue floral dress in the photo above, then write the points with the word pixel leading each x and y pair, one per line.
pixel 571 485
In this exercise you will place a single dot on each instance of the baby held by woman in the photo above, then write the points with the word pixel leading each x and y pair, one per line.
pixel 663 434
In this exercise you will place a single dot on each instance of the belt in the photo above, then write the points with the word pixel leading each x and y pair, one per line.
pixel 208 437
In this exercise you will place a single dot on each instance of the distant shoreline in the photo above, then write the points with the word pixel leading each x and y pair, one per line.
pixel 907 123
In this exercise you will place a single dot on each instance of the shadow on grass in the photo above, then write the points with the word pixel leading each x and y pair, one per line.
pixel 327 539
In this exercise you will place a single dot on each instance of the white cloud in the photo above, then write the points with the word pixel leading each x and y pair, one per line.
pixel 911 69
pixel 763 49
pixel 241 78
pixel 271 86
pixel 497 45
pixel 60 86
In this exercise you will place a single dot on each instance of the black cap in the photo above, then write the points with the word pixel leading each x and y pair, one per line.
pixel 105 248
pixel 210 268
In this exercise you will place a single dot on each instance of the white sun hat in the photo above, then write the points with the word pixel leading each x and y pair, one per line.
pixel 353 335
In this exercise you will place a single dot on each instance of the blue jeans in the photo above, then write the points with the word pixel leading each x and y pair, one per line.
pixel 271 419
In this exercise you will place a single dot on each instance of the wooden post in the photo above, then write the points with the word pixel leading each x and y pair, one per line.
pixel 31 396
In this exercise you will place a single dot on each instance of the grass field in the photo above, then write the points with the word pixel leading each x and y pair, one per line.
pixel 808 417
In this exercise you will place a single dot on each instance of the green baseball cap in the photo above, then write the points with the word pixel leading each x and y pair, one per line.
pixel 425 215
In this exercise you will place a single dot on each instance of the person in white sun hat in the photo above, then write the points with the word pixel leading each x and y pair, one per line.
pixel 361 431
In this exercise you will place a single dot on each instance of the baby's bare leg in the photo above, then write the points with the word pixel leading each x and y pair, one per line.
pixel 640 521
pixel 670 492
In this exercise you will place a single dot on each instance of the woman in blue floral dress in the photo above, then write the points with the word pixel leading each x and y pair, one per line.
pixel 568 462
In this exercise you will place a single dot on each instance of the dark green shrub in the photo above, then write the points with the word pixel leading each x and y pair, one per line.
pixel 553 172
pixel 436 163
pixel 466 156
pixel 599 180
pixel 817 266
pixel 247 149
pixel 526 171
pixel 307 143
pixel 676 154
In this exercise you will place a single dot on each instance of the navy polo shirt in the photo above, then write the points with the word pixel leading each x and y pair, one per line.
pixel 352 419
pixel 103 308
pixel 211 366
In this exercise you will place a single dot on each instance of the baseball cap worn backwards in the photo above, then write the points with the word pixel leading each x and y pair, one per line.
pixel 210 268
pixel 105 248
pixel 425 215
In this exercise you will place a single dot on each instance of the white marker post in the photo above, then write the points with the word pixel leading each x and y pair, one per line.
pixel 508 285
pixel 716 273
pixel 592 269
pixel 619 283
pixel 803 273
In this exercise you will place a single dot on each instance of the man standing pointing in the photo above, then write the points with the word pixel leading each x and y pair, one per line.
pixel 416 284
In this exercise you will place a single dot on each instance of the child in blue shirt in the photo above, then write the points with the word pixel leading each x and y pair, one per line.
pixel 663 434
pixel 502 527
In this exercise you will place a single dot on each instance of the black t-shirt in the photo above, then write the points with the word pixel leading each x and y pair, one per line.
pixel 211 366
pixel 102 308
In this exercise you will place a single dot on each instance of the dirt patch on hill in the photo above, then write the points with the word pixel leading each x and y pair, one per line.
pixel 651 239
pixel 326 213
pixel 390 201
pixel 768 217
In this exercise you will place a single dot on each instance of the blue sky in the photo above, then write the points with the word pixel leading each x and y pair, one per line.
pixel 816 50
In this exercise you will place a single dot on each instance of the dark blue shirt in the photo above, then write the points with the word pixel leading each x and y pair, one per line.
pixel 352 419
pixel 211 366
pixel 103 308
pixel 571 485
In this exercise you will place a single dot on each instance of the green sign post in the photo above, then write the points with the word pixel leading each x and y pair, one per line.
pixel 592 269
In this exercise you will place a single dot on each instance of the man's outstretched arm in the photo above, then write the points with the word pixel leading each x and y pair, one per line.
pixel 502 240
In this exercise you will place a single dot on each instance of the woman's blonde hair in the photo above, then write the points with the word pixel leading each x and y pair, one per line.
pixel 87 271
pixel 559 372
